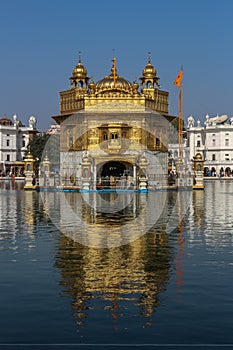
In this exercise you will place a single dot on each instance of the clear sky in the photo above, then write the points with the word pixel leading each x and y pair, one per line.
pixel 40 41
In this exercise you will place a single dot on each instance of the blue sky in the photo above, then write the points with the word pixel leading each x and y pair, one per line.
pixel 40 41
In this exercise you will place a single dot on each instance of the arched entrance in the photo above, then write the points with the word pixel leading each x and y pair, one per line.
pixel 113 168
pixel 115 174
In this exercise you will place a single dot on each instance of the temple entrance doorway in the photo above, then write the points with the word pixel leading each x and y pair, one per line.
pixel 113 168
pixel 115 174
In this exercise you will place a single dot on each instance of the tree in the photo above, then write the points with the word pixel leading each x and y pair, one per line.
pixel 36 147
pixel 44 144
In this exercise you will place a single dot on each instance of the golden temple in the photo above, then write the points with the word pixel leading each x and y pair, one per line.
pixel 113 127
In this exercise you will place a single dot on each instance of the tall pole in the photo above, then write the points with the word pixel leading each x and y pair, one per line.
pixel 180 121
pixel 178 82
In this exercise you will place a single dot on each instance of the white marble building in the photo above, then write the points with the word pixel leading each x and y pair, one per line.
pixel 14 139
pixel 214 140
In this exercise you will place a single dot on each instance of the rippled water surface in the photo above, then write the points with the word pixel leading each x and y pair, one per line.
pixel 169 286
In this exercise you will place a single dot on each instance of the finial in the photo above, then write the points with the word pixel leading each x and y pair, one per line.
pixel 114 62
pixel 114 70
pixel 149 54
pixel 79 57
pixel 46 158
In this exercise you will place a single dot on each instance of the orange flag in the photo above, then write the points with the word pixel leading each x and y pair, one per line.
pixel 178 80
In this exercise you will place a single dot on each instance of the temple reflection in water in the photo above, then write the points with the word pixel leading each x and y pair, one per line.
pixel 125 280
pixel 135 273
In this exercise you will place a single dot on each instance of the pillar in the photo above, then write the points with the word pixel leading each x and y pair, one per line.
pixel 198 164
pixel 29 172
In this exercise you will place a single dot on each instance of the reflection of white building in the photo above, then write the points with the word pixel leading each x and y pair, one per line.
pixel 14 139
pixel 211 213
pixel 214 140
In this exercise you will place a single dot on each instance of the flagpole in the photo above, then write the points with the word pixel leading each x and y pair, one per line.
pixel 180 120
pixel 178 82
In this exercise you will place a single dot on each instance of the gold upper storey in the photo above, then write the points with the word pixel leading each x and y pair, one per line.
pixel 85 94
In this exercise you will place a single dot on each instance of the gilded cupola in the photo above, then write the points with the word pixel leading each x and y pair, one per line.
pixel 149 71
pixel 149 75
pixel 79 75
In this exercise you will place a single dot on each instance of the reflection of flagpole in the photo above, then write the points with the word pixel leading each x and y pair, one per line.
pixel 180 254
pixel 178 82
pixel 181 241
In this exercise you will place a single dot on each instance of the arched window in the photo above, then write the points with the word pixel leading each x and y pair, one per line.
pixel 114 136
pixel 85 173
pixel 80 84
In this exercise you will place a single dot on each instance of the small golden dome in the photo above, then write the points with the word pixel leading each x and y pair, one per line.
pixel 92 85
pixel 198 156
pixel 149 71
pixel 29 156
pixel 79 72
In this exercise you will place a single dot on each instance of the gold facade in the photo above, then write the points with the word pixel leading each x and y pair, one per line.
pixel 114 120
pixel 112 89
pixel 112 138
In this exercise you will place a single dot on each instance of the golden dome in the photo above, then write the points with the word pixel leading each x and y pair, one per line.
pixel 79 72
pixel 29 156
pixel 149 71
pixel 109 82
pixel 92 85
pixel 198 156
pixel 113 81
